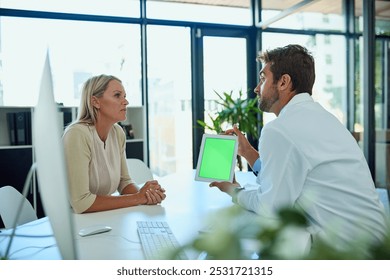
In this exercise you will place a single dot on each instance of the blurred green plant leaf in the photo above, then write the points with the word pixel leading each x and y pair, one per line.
pixel 242 111
pixel 224 241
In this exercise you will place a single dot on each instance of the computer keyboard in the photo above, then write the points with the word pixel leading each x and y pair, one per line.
pixel 157 240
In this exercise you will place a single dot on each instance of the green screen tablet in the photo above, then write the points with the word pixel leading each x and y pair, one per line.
pixel 217 158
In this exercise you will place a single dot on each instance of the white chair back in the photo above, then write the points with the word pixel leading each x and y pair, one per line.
pixel 10 199
pixel 139 171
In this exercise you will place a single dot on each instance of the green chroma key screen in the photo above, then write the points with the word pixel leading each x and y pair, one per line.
pixel 217 158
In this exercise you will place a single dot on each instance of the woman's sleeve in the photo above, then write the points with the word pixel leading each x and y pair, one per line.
pixel 77 146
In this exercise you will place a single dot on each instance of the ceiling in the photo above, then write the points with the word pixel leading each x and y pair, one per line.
pixel 382 8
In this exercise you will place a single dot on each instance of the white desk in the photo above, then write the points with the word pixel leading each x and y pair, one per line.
pixel 187 206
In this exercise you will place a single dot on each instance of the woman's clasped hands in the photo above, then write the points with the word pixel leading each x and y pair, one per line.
pixel 153 192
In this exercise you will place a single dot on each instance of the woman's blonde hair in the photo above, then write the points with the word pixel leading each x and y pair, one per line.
pixel 94 86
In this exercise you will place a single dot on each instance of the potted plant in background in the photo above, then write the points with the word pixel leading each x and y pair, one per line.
pixel 242 111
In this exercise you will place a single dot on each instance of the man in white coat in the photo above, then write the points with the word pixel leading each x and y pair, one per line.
pixel 306 158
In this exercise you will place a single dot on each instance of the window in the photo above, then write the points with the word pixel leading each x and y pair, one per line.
pixel 327 40
pixel 76 52
pixel 224 70
pixel 102 7
pixel 329 80
pixel 303 15
pixel 325 19
pixel 169 87
pixel 382 16
pixel 223 11
pixel 328 59
pixel 330 85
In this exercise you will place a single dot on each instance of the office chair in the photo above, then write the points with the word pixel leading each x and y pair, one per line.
pixel 10 199
pixel 139 171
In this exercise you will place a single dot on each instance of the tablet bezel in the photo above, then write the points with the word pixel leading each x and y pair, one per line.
pixel 201 154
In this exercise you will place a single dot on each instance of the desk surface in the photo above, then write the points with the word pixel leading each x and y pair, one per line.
pixel 186 208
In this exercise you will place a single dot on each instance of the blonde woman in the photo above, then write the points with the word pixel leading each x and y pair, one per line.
pixel 95 152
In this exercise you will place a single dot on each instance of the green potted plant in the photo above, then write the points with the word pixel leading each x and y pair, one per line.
pixel 242 111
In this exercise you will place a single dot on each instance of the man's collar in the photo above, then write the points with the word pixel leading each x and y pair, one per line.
pixel 298 98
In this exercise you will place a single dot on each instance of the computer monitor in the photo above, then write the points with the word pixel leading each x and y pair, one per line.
pixel 51 168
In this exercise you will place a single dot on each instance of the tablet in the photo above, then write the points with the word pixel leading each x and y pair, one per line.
pixel 217 158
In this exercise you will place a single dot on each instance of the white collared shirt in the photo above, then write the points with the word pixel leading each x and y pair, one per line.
pixel 310 161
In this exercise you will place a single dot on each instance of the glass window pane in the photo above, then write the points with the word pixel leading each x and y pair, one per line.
pixel 169 99
pixel 223 72
pixel 382 114
pixel 76 52
pixel 224 65
pixel 382 16
pixel 358 125
pixel 329 52
pixel 129 8
pixel 223 11
pixel 315 15
pixel 381 109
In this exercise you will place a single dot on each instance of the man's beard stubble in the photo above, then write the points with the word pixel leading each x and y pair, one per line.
pixel 265 104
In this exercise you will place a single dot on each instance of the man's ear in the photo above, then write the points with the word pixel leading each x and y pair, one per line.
pixel 95 102
pixel 285 82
